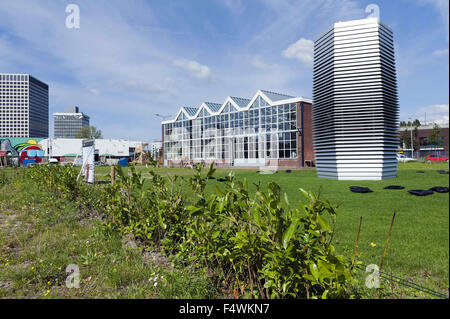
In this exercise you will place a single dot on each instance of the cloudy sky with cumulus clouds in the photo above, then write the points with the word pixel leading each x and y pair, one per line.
pixel 132 59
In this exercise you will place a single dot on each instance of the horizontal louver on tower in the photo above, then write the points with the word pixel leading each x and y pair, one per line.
pixel 355 107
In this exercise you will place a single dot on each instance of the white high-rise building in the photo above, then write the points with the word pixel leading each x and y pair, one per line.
pixel 23 106
pixel 355 104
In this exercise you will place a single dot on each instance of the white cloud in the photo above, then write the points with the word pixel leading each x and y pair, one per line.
pixel 437 113
pixel 443 8
pixel 440 53
pixel 194 68
pixel 257 62
pixel 94 91
pixel 302 50
pixel 234 6
pixel 285 20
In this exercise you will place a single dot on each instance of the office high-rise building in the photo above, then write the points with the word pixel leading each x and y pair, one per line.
pixel 67 125
pixel 355 104
pixel 23 106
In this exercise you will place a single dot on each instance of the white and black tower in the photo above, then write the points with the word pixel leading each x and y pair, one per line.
pixel 355 103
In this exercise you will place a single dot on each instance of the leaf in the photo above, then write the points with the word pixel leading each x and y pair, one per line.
pixel 309 277
pixel 323 223
pixel 324 269
pixel 194 210
pixel 268 284
pixel 314 271
pixel 211 170
pixel 290 232
pixel 286 199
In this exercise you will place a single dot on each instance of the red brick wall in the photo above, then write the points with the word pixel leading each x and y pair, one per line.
pixel 308 132
pixel 162 139
pixel 308 148
pixel 299 137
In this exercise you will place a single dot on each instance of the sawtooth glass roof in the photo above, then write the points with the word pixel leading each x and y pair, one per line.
pixel 238 103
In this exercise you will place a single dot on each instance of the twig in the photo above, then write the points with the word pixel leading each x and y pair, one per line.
pixel 385 248
pixel 356 243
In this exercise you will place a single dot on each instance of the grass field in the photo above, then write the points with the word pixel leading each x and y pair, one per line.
pixel 418 247
pixel 419 244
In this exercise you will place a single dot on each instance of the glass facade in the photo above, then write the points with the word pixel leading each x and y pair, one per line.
pixel 67 125
pixel 38 108
pixel 262 131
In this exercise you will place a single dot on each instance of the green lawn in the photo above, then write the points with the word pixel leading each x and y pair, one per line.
pixel 419 244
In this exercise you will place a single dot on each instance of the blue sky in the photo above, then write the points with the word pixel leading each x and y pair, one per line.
pixel 132 59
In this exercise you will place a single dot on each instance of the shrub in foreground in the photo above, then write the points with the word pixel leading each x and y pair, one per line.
pixel 250 244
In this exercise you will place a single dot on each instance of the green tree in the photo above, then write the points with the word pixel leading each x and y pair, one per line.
pixel 435 137
pixel 415 123
pixel 89 132
pixel 405 136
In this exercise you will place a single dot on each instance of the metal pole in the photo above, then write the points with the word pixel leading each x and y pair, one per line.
pixel 412 142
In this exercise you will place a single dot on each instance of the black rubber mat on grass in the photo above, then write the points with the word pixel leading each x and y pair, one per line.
pixel 357 189
pixel 394 187
pixel 420 192
pixel 439 189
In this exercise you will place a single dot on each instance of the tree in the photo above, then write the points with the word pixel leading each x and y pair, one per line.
pixel 435 138
pixel 415 123
pixel 405 136
pixel 89 132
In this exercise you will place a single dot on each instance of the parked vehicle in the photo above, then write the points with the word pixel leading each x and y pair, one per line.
pixel 436 158
pixel 402 158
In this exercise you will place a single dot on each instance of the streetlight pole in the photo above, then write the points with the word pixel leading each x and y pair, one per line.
pixel 412 142
pixel 163 116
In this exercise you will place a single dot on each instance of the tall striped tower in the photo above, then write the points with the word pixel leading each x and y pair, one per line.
pixel 355 107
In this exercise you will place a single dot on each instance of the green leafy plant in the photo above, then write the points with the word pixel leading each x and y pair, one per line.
pixel 251 245
pixel 261 250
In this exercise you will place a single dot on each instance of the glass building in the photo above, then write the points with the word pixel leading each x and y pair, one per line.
pixel 23 106
pixel 67 125
pixel 268 130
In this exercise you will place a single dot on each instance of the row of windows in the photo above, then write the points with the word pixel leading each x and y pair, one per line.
pixel 13 92
pixel 4 87
pixel 250 147
pixel 266 119
pixel 9 98
pixel 428 142
pixel 9 126
pixel 13 77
